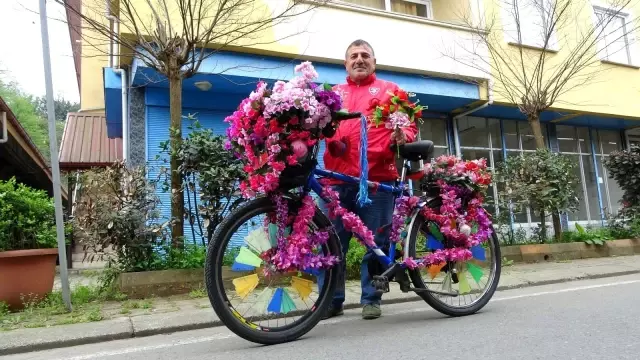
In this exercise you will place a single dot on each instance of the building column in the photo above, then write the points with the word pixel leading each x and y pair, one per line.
pixel 594 162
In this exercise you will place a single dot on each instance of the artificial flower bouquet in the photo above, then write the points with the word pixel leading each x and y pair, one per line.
pixel 461 219
pixel 397 112
pixel 277 128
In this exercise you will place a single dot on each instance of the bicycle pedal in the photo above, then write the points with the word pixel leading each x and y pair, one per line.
pixel 381 284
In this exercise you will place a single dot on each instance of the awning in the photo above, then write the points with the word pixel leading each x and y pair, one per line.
pixel 231 73
pixel 85 143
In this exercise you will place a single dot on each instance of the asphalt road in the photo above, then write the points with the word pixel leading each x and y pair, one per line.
pixel 595 319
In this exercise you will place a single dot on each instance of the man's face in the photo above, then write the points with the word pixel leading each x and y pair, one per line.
pixel 360 62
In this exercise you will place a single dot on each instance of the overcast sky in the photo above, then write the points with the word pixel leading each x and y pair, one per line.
pixel 21 48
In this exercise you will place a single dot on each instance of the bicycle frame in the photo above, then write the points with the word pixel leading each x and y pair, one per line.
pixel 400 189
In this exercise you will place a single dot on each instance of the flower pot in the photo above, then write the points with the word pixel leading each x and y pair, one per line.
pixel 27 275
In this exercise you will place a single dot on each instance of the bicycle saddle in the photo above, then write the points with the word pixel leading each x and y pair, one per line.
pixel 415 151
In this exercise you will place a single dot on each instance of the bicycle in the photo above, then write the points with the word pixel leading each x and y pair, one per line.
pixel 393 265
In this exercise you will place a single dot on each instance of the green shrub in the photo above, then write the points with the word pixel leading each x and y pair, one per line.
pixel 27 218
pixel 623 168
pixel 542 181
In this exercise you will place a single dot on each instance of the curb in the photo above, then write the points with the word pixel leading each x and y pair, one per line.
pixel 131 333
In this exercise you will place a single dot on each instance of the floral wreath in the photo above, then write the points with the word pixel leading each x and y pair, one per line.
pixel 276 128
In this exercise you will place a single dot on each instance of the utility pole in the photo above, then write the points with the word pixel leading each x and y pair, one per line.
pixel 55 166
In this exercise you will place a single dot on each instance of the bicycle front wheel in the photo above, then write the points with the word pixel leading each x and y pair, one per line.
pixel 265 308
pixel 475 281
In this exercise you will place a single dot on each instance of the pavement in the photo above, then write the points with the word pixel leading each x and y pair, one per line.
pixel 588 319
pixel 194 314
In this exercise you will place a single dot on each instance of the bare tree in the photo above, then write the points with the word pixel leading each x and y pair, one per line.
pixel 518 44
pixel 523 37
pixel 174 37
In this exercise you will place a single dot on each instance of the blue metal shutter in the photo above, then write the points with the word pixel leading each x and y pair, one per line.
pixel 158 131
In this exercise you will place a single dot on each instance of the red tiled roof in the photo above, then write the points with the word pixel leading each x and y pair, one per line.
pixel 85 143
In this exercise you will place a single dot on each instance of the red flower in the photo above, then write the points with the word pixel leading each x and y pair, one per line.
pixel 373 103
pixel 402 95
pixel 385 110
pixel 418 114
pixel 471 166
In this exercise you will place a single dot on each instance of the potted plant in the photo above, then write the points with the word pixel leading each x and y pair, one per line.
pixel 28 246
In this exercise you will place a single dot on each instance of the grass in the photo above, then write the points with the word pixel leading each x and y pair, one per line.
pixel 87 303
pixel 198 293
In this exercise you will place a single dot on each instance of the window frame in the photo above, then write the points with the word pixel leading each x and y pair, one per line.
pixel 527 41
pixel 387 7
pixel 631 49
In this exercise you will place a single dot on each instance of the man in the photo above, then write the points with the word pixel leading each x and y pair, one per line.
pixel 362 89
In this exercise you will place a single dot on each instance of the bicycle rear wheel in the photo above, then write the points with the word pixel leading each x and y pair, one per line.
pixel 233 272
pixel 478 276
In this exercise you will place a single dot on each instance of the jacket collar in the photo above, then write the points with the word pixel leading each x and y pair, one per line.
pixel 367 81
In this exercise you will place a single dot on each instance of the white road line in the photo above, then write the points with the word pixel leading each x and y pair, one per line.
pixel 150 347
pixel 326 322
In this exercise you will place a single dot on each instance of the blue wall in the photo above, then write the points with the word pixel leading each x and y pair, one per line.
pixel 202 109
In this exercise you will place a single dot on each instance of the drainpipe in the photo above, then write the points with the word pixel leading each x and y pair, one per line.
pixel 125 114
pixel 455 118
pixel 113 53
pixel 5 135
pixel 112 20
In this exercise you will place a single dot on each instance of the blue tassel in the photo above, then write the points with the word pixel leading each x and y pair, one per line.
pixel 363 196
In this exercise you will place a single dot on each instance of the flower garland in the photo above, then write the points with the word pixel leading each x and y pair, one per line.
pixel 460 219
pixel 297 251
pixel 350 221
pixel 274 128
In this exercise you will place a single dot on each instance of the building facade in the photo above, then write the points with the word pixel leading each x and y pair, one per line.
pixel 465 116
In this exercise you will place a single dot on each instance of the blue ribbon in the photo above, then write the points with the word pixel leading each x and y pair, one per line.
pixel 363 196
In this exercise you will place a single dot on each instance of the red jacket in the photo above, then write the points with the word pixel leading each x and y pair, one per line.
pixel 382 161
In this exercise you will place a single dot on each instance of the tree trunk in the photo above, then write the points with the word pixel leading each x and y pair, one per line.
pixel 534 122
pixel 177 198
pixel 557 226
pixel 543 226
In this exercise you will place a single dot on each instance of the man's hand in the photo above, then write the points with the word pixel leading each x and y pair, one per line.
pixel 398 136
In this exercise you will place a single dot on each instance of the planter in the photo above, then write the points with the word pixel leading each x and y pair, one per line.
pixel 139 285
pixel 27 276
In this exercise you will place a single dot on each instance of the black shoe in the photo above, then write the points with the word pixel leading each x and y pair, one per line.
pixel 333 311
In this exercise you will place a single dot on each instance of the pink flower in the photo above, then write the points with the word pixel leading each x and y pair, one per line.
pixel 299 148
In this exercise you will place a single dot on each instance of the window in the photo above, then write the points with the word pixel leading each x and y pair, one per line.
pixel 529 22
pixel 420 8
pixel 611 28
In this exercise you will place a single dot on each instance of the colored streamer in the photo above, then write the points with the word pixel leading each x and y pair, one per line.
pixel 463 283
pixel 246 284
pixel 287 303
pixel 433 244
pixel 475 271
pixel 258 240
pixel 478 253
pixel 263 299
pixel 241 267
pixel 363 196
pixel 276 302
pixel 433 229
pixel 446 283
pixel 434 270
pixel 302 286
pixel 248 258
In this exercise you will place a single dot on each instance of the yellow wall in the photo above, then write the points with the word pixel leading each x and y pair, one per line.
pixel 454 11
pixel 611 89
pixel 94 49
pixel 323 35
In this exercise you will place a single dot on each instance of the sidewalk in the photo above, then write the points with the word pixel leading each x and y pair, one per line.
pixel 165 315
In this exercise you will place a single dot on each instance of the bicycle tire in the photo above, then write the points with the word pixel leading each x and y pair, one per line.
pixel 214 283
pixel 429 298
